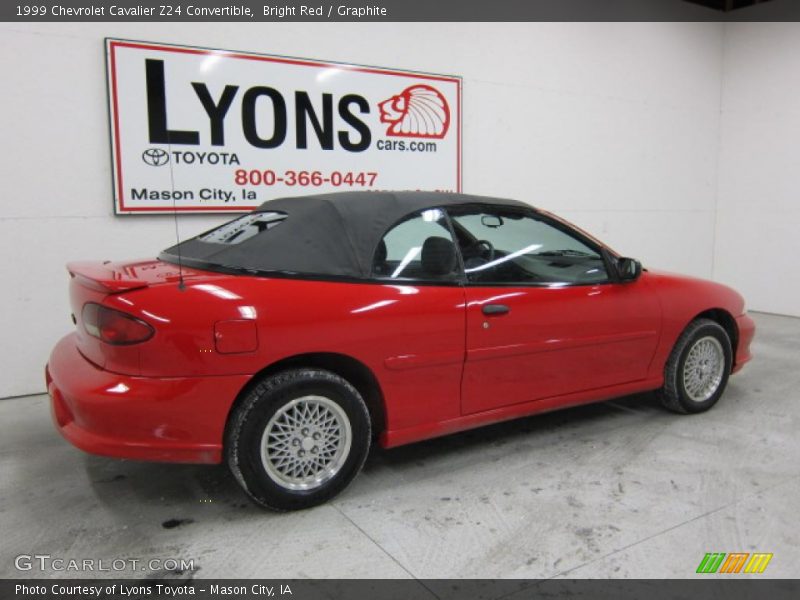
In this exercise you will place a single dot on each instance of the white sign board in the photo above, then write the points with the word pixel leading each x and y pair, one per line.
pixel 201 130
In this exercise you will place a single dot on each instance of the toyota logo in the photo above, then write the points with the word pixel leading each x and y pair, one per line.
pixel 155 157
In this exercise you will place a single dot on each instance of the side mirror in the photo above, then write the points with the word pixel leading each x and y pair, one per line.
pixel 628 269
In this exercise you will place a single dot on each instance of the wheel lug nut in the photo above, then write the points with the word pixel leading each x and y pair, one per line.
pixel 305 430
pixel 317 435
pixel 295 442
pixel 314 450
pixel 301 453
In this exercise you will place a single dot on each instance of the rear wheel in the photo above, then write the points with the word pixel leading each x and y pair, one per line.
pixel 698 368
pixel 298 439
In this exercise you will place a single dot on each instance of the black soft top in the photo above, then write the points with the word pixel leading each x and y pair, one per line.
pixel 325 234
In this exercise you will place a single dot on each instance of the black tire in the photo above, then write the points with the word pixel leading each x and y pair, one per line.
pixel 277 394
pixel 674 394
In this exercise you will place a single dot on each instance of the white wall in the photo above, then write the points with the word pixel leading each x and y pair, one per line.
pixel 614 126
pixel 758 210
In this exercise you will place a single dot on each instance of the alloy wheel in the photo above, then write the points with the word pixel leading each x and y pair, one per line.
pixel 306 442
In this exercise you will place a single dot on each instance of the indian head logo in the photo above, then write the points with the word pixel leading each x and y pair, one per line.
pixel 418 111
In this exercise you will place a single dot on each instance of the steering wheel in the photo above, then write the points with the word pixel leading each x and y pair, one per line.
pixel 485 248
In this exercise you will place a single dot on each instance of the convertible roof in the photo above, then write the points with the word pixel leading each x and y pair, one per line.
pixel 325 234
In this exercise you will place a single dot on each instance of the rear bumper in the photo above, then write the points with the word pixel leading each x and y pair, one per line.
pixel 747 329
pixel 171 419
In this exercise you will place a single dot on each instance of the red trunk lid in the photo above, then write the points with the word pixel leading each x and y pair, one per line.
pixel 112 277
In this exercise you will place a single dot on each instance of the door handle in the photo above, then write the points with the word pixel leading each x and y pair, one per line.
pixel 495 309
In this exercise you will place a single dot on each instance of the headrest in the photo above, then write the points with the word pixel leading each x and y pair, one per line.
pixel 438 256
pixel 380 253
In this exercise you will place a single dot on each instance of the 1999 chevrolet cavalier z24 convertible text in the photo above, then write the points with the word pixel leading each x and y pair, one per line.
pixel 301 332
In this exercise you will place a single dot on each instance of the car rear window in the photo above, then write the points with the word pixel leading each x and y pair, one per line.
pixel 243 228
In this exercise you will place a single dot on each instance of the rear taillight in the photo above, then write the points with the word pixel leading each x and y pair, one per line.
pixel 114 326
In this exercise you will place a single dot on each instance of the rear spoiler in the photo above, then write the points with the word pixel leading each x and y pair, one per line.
pixel 105 276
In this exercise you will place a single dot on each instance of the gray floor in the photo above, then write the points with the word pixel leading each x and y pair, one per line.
pixel 621 489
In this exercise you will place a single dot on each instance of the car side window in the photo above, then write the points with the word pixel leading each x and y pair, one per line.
pixel 420 247
pixel 508 247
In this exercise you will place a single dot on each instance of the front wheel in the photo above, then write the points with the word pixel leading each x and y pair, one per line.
pixel 298 439
pixel 698 368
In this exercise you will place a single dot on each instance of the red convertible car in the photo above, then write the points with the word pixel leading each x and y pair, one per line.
pixel 287 340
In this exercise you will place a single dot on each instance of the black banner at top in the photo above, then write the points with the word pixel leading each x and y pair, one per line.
pixel 398 10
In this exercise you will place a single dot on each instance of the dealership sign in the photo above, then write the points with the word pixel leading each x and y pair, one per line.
pixel 201 130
